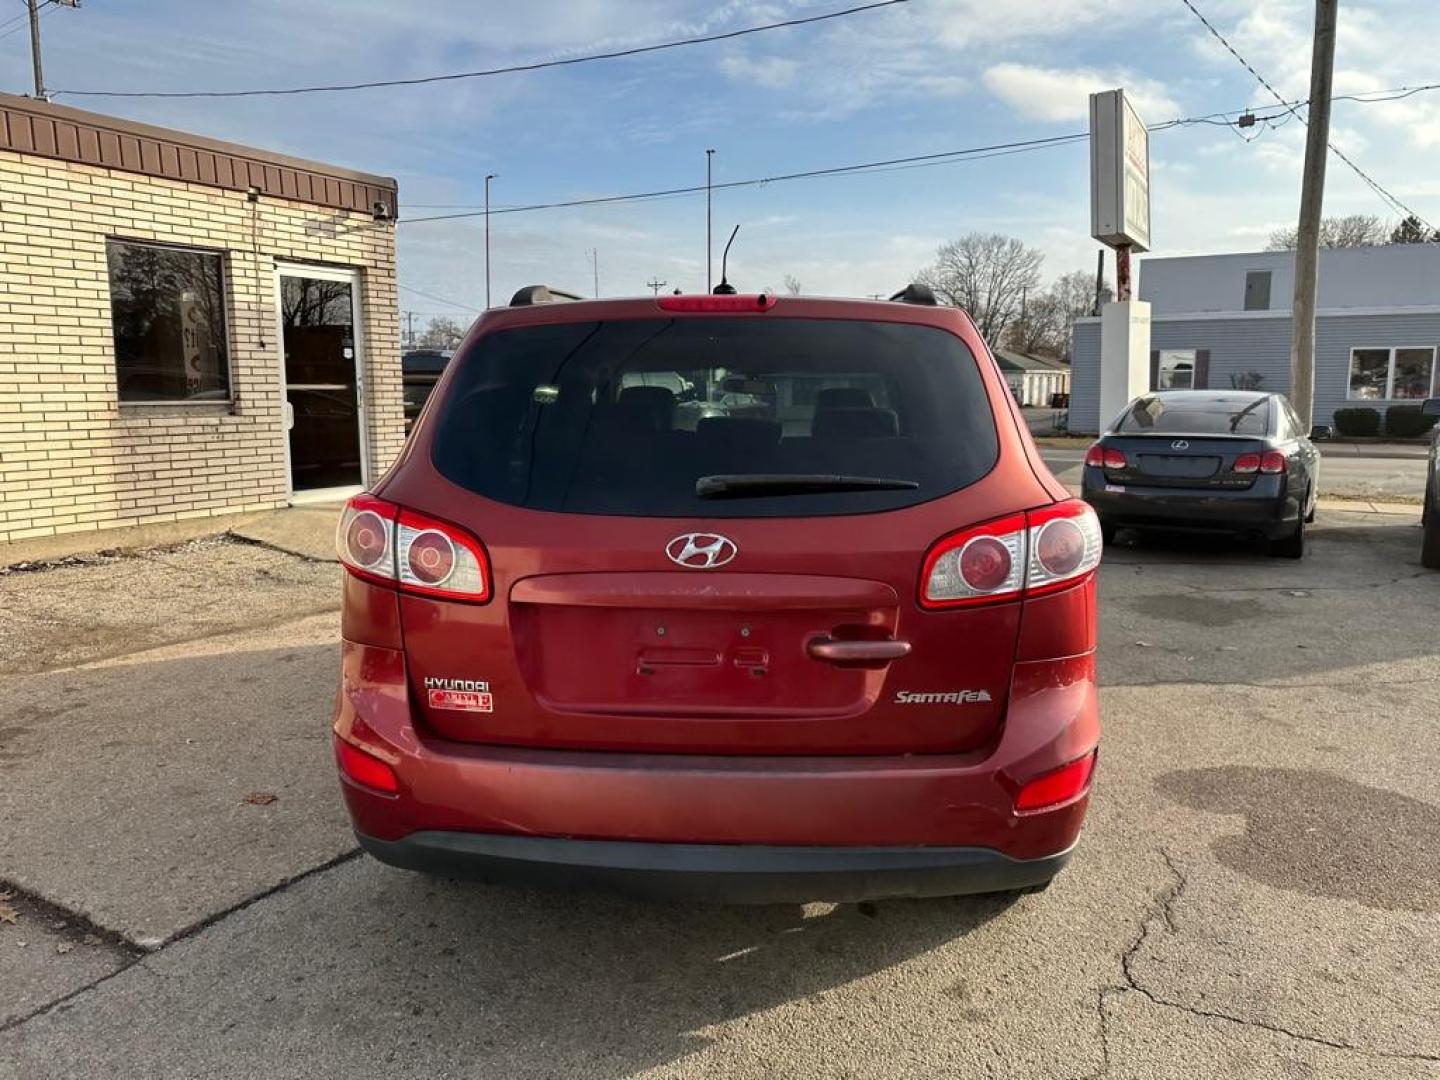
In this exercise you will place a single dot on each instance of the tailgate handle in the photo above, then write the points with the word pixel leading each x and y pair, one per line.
pixel 857 652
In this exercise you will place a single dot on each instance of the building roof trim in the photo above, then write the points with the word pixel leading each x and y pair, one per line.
pixel 1283 313
pixel 44 129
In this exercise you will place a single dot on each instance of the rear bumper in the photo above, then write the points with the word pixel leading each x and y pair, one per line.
pixel 723 873
pixel 1266 508
pixel 767 826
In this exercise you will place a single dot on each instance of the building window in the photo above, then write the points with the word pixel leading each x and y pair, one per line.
pixel 1391 374
pixel 1257 290
pixel 168 312
pixel 1177 370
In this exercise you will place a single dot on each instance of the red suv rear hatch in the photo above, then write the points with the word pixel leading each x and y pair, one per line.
pixel 705 534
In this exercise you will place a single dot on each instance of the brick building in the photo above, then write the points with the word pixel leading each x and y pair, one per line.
pixel 188 328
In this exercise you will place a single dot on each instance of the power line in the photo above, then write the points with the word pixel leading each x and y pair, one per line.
pixel 510 70
pixel 1393 201
pixel 973 152
pixel 439 299
pixel 16 24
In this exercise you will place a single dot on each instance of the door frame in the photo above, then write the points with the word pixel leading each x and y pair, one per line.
pixel 324 273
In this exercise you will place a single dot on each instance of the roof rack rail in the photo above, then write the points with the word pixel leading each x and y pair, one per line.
pixel 540 294
pixel 915 293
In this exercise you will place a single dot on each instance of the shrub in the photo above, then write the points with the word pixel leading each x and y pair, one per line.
pixel 1357 421
pixel 1407 422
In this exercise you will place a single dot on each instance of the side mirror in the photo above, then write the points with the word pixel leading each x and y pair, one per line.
pixel 1321 432
pixel 1431 407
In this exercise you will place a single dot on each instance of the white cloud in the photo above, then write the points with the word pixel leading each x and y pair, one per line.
pixel 1040 93
pixel 771 72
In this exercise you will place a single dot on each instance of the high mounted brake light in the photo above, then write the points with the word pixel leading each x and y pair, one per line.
pixel 1022 555
pixel 703 302
pixel 381 542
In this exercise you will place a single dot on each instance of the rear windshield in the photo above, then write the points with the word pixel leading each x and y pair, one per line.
pixel 625 417
pixel 1201 415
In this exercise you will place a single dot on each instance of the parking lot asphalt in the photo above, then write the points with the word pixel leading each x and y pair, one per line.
pixel 1256 894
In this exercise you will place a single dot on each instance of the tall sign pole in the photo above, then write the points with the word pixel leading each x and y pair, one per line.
pixel 1312 196
pixel 1119 219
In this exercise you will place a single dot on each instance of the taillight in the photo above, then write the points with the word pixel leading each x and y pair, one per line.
pixel 1246 463
pixel 365 769
pixel 1027 554
pixel 1115 459
pixel 382 542
pixel 1053 789
pixel 710 302
pixel 1272 462
pixel 1095 456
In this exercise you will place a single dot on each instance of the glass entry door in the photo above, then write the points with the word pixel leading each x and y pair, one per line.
pixel 322 383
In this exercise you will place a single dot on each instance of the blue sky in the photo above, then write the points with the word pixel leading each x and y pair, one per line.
pixel 926 76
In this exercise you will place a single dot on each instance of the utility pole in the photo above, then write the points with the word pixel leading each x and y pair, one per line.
pixel 1312 198
pixel 409 329
pixel 595 266
pixel 488 178
pixel 709 273
pixel 33 7
pixel 655 285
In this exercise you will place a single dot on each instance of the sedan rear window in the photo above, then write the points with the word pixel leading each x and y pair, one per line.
pixel 716 417
pixel 1197 414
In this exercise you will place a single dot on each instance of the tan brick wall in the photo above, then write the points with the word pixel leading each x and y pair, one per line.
pixel 72 457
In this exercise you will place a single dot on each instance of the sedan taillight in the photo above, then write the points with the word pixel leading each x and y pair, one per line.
pixel 382 542
pixel 1273 461
pixel 1027 554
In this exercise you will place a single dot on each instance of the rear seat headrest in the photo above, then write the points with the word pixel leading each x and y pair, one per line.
pixel 655 402
pixel 855 424
pixel 843 397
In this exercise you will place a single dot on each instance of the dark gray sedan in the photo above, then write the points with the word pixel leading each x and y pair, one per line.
pixel 1224 461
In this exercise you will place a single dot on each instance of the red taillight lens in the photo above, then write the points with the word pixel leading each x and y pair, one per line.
pixel 1272 462
pixel 1115 459
pixel 1095 456
pixel 707 302
pixel 1064 785
pixel 365 769
pixel 381 542
pixel 1246 463
pixel 1032 553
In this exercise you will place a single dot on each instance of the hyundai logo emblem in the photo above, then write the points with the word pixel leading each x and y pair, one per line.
pixel 1179 444
pixel 701 551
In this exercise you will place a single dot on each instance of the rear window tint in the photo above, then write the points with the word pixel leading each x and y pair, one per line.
pixel 624 417
pixel 1201 415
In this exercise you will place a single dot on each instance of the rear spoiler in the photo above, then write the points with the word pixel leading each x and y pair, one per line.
pixel 540 294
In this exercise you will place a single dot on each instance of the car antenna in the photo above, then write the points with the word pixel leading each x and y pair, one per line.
pixel 725 288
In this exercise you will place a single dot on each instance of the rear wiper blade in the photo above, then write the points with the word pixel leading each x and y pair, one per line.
pixel 750 485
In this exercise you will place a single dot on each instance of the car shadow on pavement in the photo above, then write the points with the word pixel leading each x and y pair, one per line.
pixel 594 984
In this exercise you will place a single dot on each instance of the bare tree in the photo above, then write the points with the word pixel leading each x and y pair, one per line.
pixel 442 332
pixel 1352 230
pixel 986 274
pixel 1048 325
pixel 792 285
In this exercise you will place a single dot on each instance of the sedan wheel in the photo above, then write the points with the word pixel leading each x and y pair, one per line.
pixel 1430 543
pixel 1292 546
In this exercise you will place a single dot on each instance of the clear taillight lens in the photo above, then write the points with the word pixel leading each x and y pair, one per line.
pixel 1025 554
pixel 379 541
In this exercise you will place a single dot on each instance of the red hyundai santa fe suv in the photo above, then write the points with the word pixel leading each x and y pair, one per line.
pixel 724 597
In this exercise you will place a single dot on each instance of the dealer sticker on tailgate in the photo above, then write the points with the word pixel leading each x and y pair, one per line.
pixel 459 695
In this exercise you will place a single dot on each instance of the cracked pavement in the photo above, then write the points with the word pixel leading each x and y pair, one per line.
pixel 1256 894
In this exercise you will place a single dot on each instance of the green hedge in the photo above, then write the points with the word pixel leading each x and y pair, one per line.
pixel 1407 422
pixel 1357 421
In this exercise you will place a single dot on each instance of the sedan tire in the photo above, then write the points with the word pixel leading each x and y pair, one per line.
pixel 1430 543
pixel 1292 546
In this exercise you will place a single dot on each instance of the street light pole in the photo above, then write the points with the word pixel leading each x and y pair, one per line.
pixel 709 274
pixel 488 178
pixel 1312 197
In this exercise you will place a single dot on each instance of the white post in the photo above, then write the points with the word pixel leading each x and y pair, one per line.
pixel 1124 357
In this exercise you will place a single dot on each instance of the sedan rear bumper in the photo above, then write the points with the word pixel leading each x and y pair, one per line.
pixel 1266 508
pixel 723 873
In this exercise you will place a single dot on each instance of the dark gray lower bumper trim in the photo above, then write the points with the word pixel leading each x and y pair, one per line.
pixel 725 873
